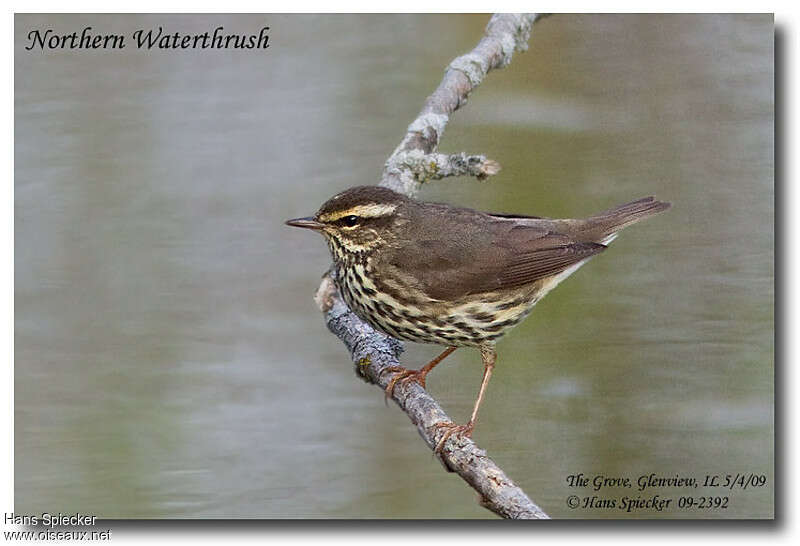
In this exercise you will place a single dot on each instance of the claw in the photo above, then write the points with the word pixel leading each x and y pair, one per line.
pixel 418 376
pixel 452 428
pixel 403 375
pixel 387 393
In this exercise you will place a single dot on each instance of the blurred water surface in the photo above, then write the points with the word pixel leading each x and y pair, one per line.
pixel 170 361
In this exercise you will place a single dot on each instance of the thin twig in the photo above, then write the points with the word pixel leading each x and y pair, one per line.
pixel 413 162
pixel 435 166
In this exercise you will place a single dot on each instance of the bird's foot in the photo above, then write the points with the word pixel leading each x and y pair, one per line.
pixel 450 430
pixel 403 375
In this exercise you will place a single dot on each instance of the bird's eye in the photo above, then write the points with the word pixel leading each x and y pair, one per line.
pixel 350 221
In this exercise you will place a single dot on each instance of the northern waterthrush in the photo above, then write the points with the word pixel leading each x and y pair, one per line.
pixel 434 273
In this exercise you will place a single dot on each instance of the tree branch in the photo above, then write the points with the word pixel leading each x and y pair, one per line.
pixel 435 166
pixel 505 34
pixel 412 163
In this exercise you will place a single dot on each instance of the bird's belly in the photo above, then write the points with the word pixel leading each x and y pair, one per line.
pixel 471 321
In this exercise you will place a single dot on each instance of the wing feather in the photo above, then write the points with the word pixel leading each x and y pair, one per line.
pixel 532 266
pixel 477 258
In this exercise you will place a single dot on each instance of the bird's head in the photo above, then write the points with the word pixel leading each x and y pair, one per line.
pixel 358 220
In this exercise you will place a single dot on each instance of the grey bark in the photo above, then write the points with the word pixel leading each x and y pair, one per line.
pixel 415 161
pixel 505 34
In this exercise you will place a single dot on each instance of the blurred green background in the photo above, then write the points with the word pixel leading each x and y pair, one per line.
pixel 170 361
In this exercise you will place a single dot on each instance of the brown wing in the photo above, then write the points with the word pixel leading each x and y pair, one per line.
pixel 532 266
pixel 473 255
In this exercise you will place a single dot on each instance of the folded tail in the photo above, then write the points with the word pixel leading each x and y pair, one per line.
pixel 604 226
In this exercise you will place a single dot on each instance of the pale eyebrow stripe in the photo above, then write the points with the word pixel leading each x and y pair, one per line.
pixel 371 210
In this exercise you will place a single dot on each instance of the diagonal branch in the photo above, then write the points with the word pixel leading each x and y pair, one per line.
pixel 413 162
pixel 505 34
pixel 372 353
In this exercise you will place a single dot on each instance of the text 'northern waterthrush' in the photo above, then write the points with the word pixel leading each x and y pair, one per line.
pixel 434 273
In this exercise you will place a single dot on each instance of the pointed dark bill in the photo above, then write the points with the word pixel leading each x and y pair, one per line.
pixel 308 223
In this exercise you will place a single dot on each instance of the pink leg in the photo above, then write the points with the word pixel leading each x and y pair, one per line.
pixel 406 375
pixel 489 356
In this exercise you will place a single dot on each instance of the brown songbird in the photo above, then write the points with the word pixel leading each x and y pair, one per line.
pixel 435 273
